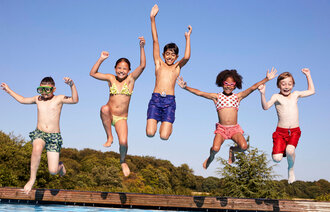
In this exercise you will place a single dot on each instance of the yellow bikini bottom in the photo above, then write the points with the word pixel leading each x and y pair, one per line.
pixel 117 118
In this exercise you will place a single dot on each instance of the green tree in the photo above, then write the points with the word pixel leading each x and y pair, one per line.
pixel 249 176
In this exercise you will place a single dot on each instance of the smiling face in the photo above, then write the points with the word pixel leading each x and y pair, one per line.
pixel 170 56
pixel 122 69
pixel 229 85
pixel 285 86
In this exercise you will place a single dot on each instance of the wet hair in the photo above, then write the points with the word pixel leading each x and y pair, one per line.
pixel 123 59
pixel 282 77
pixel 48 81
pixel 171 46
pixel 223 75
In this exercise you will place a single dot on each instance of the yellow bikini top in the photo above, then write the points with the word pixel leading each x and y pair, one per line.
pixel 124 90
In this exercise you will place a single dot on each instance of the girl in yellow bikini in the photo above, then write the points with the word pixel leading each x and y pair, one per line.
pixel 115 112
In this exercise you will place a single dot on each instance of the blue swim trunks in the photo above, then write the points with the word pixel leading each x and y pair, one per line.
pixel 162 108
pixel 53 141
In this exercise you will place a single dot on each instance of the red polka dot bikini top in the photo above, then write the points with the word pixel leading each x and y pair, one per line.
pixel 227 101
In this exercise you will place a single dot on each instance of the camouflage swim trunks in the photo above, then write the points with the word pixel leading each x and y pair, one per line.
pixel 53 141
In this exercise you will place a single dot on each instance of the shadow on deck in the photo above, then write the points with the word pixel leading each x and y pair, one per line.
pixel 155 201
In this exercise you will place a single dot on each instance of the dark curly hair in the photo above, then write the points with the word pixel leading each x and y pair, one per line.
pixel 223 75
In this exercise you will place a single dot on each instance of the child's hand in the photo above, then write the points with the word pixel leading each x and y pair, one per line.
pixel 272 74
pixel 104 55
pixel 5 87
pixel 181 83
pixel 262 88
pixel 154 11
pixel 306 71
pixel 187 34
pixel 142 41
pixel 68 81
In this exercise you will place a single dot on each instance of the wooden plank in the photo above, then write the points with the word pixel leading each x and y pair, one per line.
pixel 161 201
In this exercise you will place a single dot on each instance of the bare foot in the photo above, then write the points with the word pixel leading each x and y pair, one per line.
pixel 291 176
pixel 125 169
pixel 62 171
pixel 231 158
pixel 28 186
pixel 108 143
pixel 204 164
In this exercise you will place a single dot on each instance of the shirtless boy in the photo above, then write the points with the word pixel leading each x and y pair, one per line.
pixel 287 134
pixel 162 104
pixel 47 134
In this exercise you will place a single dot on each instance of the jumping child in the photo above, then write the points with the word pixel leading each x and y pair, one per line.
pixel 47 133
pixel 227 104
pixel 287 134
pixel 162 104
pixel 121 86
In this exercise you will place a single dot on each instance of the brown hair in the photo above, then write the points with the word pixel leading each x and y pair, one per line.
pixel 283 76
pixel 48 81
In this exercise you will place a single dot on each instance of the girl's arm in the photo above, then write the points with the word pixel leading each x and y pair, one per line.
pixel 265 105
pixel 94 72
pixel 197 92
pixel 269 76
pixel 137 72
pixel 311 89
pixel 156 54
pixel 74 94
pixel 19 98
pixel 187 52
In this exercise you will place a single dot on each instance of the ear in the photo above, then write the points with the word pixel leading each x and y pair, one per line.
pixel 54 89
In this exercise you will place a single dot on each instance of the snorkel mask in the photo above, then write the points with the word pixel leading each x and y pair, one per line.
pixel 44 89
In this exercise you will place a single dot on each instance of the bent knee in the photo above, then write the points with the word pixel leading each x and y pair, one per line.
pixel 277 158
pixel 150 133
pixel 105 109
pixel 53 171
pixel 216 148
pixel 244 146
pixel 290 150
pixel 164 136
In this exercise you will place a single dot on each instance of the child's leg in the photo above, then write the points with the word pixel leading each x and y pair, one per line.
pixel 165 130
pixel 122 131
pixel 241 146
pixel 291 155
pixel 106 117
pixel 151 127
pixel 277 157
pixel 217 142
pixel 37 147
pixel 54 165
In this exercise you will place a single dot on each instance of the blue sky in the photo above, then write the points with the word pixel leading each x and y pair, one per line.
pixel 65 38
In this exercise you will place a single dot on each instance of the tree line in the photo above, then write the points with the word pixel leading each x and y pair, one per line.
pixel 251 176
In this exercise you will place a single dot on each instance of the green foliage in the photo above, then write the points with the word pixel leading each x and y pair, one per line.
pixel 92 170
pixel 249 176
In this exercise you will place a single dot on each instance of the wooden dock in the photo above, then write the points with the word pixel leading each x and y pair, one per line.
pixel 159 202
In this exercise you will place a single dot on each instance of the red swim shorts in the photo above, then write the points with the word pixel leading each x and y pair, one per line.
pixel 227 131
pixel 283 137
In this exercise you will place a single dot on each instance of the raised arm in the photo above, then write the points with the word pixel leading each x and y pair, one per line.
pixel 19 98
pixel 269 76
pixel 156 51
pixel 74 94
pixel 197 92
pixel 266 105
pixel 187 52
pixel 137 72
pixel 94 72
pixel 311 89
